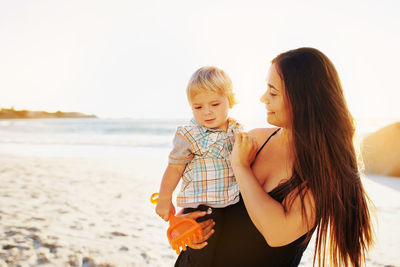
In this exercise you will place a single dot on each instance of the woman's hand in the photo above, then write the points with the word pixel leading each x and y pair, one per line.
pixel 244 150
pixel 207 227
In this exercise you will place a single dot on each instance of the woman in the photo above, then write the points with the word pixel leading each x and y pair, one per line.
pixel 299 178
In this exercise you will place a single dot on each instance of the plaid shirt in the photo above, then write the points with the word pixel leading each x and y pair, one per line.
pixel 208 177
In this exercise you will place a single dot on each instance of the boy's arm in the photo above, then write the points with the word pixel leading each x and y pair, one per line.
pixel 170 180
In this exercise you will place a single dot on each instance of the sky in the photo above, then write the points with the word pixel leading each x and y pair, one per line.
pixel 133 59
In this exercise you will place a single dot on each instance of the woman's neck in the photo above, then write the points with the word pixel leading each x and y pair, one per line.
pixel 285 139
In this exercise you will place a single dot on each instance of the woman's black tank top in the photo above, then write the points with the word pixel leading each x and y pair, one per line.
pixel 241 244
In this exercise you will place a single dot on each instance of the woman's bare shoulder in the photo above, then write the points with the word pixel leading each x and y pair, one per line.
pixel 262 133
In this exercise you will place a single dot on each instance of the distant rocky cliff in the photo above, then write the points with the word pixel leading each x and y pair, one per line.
pixel 27 114
pixel 381 151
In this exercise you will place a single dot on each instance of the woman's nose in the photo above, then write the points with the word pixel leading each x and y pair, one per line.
pixel 264 98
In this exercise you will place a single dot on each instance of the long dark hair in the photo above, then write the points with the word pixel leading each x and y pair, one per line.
pixel 325 158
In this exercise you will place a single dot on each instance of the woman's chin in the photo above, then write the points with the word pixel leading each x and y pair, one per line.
pixel 273 122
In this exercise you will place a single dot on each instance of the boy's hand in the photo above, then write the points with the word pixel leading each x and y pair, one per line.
pixel 164 208
pixel 244 150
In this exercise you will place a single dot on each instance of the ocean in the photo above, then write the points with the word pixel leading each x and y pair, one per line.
pixel 106 137
pixel 85 137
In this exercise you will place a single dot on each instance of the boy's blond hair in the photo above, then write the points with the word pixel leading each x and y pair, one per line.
pixel 212 79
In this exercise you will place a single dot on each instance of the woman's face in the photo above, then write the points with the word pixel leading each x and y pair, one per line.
pixel 274 99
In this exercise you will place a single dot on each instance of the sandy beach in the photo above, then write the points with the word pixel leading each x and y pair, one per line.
pixel 95 211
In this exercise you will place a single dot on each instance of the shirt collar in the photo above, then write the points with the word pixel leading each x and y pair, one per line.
pixel 232 124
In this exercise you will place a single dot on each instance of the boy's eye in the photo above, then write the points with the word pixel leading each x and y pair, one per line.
pixel 215 104
pixel 198 107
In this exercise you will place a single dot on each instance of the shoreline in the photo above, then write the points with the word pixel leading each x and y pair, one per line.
pixel 11 113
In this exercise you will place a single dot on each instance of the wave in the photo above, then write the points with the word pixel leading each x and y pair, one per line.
pixel 97 132
pixel 102 126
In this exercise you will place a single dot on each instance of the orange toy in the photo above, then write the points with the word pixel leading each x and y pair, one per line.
pixel 181 231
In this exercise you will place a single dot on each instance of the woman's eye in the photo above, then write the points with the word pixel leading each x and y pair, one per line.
pixel 272 94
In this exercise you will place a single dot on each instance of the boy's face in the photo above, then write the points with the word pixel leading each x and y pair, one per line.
pixel 211 110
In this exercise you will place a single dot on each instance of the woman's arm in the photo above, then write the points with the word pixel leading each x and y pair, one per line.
pixel 277 226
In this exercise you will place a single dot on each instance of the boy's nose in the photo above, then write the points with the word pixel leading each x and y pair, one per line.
pixel 207 110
